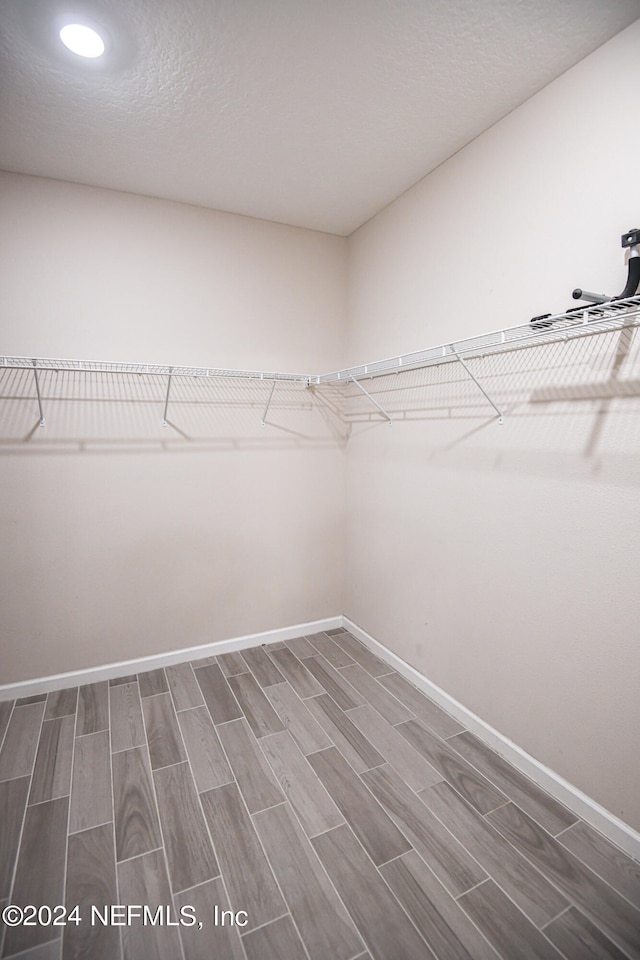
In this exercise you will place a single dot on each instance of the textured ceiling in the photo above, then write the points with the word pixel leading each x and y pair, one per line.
pixel 309 112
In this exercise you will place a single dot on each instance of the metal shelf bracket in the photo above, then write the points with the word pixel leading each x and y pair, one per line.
pixel 165 422
pixel 479 386
pixel 263 422
pixel 35 373
pixel 374 402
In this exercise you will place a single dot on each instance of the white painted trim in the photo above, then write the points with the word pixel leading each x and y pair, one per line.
pixel 583 806
pixel 29 688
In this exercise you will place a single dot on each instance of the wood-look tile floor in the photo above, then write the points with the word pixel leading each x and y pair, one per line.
pixel 300 800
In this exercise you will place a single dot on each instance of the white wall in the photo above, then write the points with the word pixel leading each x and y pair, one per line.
pixel 502 561
pixel 121 539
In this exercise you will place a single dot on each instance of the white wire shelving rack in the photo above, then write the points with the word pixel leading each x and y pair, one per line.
pixel 593 319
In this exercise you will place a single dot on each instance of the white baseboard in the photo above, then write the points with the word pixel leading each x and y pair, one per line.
pixel 30 688
pixel 578 802
pixel 583 806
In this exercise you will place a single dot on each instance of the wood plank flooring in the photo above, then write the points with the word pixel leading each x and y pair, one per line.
pixel 299 800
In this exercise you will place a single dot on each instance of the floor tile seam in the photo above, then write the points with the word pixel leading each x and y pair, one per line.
pixel 596 872
pixel 131 746
pixel 222 881
pixel 240 673
pixel 248 670
pixel 66 845
pixel 304 757
pixel 61 716
pixel 570 906
pixel 230 689
pixel 120 681
pixel 166 766
pixel 163 725
pixel 464 762
pixel 83 736
pixel 366 649
pixel 231 768
pixel 323 659
pixel 571 901
pixel 295 926
pixel 426 697
pixel 582 863
pixel 162 847
pixel 185 663
pixel 390 762
pixel 446 893
pixel 319 864
pixel 345 711
pixel 242 800
pixel 38 803
pixel 6 729
pixel 416 793
pixel 490 873
pixel 413 716
pixel 21 777
pixel 311 716
pixel 22 825
pixel 73 741
pixel 94 733
pixel 536 926
pixel 150 696
pixel 262 848
pixel 35 752
pixel 161 670
pixel 335 666
pixel 266 923
pixel 116 878
pixel 374 676
pixel 197 794
pixel 94 826
pixel 187 709
pixel 200 883
pixel 490 779
pixel 138 856
pixel 390 896
pixel 341 752
pixel 375 800
pixel 564 829
pixel 25 953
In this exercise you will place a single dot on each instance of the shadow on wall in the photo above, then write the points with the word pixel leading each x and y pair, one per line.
pixel 570 410
pixel 106 412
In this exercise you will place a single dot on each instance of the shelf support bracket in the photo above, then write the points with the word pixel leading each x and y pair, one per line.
pixel 479 386
pixel 35 373
pixel 374 402
pixel 266 409
pixel 166 400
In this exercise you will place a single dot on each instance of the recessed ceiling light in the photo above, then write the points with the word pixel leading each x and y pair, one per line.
pixel 82 40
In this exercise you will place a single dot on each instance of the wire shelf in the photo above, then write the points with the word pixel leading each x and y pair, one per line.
pixel 593 319
pixel 146 369
pixel 602 318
